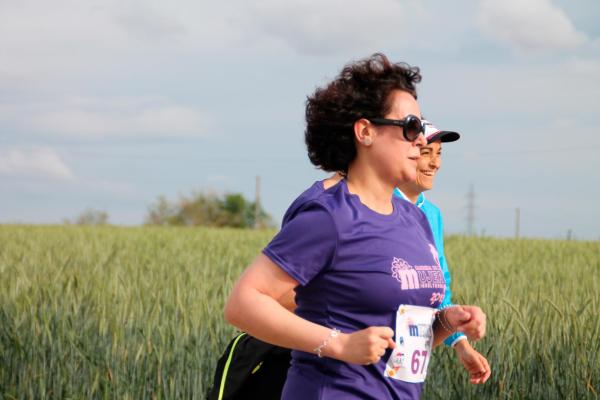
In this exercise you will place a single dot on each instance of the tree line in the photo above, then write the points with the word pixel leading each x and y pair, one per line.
pixel 208 209
pixel 203 208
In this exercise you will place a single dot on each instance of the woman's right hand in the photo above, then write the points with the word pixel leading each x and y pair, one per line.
pixel 470 320
pixel 363 347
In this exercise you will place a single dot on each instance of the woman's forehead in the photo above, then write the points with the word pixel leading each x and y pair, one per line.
pixel 402 103
pixel 433 146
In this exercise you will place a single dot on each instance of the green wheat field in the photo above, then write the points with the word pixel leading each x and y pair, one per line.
pixel 136 313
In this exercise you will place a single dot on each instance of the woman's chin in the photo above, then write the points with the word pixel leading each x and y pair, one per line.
pixel 424 183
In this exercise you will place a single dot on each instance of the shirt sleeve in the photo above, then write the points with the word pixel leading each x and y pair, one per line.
pixel 305 245
pixel 452 339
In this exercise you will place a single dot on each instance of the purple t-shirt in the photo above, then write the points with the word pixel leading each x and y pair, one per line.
pixel 344 256
pixel 312 192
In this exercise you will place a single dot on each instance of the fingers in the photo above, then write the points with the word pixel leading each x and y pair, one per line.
pixel 474 330
pixel 385 334
pixel 476 364
pixel 379 340
pixel 475 327
pixel 391 343
pixel 488 370
pixel 480 378
pixel 456 316
pixel 482 373
pixel 462 315
pixel 388 335
pixel 384 331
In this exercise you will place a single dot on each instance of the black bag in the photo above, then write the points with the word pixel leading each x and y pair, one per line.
pixel 250 369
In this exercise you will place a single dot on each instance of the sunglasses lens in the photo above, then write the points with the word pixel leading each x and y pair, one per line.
pixel 412 128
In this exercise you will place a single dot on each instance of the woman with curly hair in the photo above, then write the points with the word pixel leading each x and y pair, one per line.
pixel 362 262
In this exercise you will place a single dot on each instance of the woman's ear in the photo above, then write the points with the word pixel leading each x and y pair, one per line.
pixel 363 132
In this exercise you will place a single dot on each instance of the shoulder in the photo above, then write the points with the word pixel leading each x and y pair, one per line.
pixel 306 243
pixel 313 208
pixel 427 203
pixel 299 202
pixel 431 210
pixel 316 206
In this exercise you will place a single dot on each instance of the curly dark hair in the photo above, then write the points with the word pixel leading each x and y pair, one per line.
pixel 361 90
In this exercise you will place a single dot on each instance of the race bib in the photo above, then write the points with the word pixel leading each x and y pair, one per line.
pixel 414 336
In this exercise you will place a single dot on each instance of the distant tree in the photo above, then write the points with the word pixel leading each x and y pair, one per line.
pixel 200 209
pixel 207 209
pixel 234 211
pixel 161 212
pixel 264 219
pixel 90 217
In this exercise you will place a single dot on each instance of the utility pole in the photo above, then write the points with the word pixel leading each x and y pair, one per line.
pixel 517 222
pixel 471 211
pixel 257 204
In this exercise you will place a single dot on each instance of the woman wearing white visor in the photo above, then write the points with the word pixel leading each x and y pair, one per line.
pixel 427 167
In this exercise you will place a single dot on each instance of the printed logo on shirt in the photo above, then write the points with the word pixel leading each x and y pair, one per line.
pixel 434 253
pixel 437 297
pixel 418 276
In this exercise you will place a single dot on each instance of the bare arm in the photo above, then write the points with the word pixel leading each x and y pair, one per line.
pixel 253 307
pixel 473 361
pixel 288 300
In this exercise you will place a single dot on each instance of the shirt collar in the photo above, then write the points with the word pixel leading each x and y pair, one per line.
pixel 420 199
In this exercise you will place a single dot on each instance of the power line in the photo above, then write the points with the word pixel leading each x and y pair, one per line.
pixel 179 156
pixel 533 151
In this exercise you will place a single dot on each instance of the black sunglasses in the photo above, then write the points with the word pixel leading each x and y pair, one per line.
pixel 411 125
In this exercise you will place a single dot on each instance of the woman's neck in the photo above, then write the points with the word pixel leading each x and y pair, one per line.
pixel 372 191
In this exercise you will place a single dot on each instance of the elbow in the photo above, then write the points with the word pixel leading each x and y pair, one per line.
pixel 231 311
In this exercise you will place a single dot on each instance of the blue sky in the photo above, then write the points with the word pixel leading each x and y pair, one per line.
pixel 107 104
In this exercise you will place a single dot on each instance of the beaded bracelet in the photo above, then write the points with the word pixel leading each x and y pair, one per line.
pixel 332 335
pixel 447 326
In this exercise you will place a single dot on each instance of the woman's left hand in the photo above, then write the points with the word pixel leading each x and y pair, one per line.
pixel 473 361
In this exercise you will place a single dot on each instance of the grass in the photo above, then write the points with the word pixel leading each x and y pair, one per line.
pixel 135 313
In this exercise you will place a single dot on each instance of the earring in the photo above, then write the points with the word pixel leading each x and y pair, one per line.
pixel 367 141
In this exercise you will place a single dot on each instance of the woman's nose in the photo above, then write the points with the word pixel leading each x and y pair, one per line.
pixel 435 161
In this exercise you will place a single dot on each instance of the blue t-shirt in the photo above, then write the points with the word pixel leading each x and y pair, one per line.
pixel 347 260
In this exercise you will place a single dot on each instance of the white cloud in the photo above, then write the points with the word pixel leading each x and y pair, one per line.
pixel 40 162
pixel 570 87
pixel 337 26
pixel 41 42
pixel 529 26
pixel 95 117
pixel 144 21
